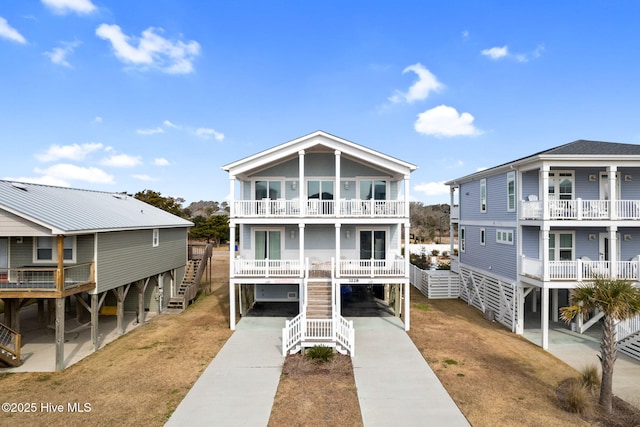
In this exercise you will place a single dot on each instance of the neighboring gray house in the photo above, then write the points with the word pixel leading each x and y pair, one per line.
pixel 530 230
pixel 59 242
pixel 319 217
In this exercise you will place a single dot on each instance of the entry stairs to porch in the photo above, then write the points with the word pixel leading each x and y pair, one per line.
pixel 9 346
pixel 628 334
pixel 319 323
pixel 188 289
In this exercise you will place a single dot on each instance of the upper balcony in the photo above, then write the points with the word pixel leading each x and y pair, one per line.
pixel 283 208
pixel 46 282
pixel 580 270
pixel 579 209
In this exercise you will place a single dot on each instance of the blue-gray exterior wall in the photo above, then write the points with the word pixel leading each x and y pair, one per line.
pixel 500 259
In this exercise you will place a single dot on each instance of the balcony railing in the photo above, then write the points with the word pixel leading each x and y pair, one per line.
pixel 281 208
pixel 292 268
pixel 44 278
pixel 579 209
pixel 580 270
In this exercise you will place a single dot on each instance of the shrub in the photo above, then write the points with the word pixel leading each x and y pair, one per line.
pixel 435 252
pixel 319 354
pixel 578 398
pixel 590 377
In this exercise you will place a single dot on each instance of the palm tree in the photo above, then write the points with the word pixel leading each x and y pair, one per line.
pixel 618 300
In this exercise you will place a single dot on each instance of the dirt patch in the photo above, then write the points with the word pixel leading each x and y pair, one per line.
pixel 313 394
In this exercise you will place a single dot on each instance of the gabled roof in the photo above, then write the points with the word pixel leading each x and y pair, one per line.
pixel 73 211
pixel 314 142
pixel 576 150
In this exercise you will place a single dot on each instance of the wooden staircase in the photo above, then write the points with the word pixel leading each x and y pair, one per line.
pixel 181 300
pixel 630 346
pixel 319 299
pixel 10 343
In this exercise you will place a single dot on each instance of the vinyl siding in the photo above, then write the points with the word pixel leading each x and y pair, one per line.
pixel 127 256
pixel 499 259
pixel 13 225
pixel 21 254
pixel 496 200
pixel 530 184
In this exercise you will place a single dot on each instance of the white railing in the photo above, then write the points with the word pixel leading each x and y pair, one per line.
pixel 580 209
pixel 580 269
pixel 627 327
pixel 372 267
pixel 267 267
pixel 281 208
pixel 300 329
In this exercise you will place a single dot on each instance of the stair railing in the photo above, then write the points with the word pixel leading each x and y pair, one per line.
pixel 627 327
pixel 10 343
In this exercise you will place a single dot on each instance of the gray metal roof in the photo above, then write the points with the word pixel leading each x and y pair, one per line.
pixel 74 211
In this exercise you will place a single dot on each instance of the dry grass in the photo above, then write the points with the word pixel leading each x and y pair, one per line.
pixel 313 394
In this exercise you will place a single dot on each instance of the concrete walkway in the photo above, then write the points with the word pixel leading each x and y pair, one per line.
pixel 395 384
pixel 239 385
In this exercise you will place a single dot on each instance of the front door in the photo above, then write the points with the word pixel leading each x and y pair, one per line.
pixel 373 244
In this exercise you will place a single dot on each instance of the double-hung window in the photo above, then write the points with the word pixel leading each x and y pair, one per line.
pixel 483 195
pixel 46 249
pixel 511 191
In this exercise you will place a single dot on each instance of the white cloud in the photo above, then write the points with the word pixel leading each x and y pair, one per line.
pixel 150 131
pixel 445 121
pixel 420 90
pixel 152 50
pixel 73 152
pixel 97 119
pixel 65 171
pixel 169 124
pixel 143 177
pixel 160 161
pixel 121 161
pixel 62 7
pixel 59 54
pixel 496 52
pixel 432 188
pixel 207 133
pixel 10 33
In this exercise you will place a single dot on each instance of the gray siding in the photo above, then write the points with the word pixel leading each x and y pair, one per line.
pixel 495 257
pixel 530 184
pixel 21 254
pixel 496 200
pixel 13 225
pixel 531 242
pixel 127 256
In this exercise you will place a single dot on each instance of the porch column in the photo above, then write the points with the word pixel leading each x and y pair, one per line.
pixel 544 191
pixel 407 304
pixel 232 258
pixel 407 225
pixel 60 275
pixel 452 201
pixel 520 303
pixel 613 194
pixel 303 267
pixel 338 229
pixel 94 321
pixel 232 191
pixel 544 317
pixel 301 184
pixel 554 304
pixel 232 305
pixel 613 251
pixel 336 199
pixel 544 256
pixel 59 334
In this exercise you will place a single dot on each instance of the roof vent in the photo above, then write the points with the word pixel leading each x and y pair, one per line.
pixel 120 196
pixel 19 186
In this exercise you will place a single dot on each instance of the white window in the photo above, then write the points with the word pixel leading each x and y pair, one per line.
pixel 561 246
pixel 483 236
pixel 156 237
pixel 45 249
pixel 372 189
pixel 511 191
pixel 268 190
pixel 483 195
pixel 268 244
pixel 504 237
pixel 561 185
pixel 462 239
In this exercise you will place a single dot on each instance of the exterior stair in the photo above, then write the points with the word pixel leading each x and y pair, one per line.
pixel 630 346
pixel 10 343
pixel 179 301
pixel 319 299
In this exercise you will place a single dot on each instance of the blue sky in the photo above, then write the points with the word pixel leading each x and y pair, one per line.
pixel 134 95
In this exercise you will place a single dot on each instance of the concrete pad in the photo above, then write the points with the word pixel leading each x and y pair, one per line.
pixel 395 384
pixel 239 385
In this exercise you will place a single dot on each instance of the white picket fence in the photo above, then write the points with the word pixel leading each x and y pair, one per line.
pixel 435 284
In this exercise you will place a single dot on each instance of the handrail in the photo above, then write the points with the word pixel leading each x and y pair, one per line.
pixel 10 344
pixel 627 327
pixel 192 289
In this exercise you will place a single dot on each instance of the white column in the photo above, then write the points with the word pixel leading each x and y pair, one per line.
pixel 338 229
pixel 544 317
pixel 544 256
pixel 452 201
pixel 613 193
pixel 554 304
pixel 544 191
pixel 407 304
pixel 302 192
pixel 232 195
pixel 232 285
pixel 407 225
pixel 520 302
pixel 613 251
pixel 336 198
pixel 301 258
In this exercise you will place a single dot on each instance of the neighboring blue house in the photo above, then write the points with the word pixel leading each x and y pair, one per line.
pixel 318 215
pixel 530 230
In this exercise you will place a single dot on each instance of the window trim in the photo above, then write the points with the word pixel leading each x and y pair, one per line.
pixel 504 236
pixel 557 248
pixel 155 237
pixel 54 250
pixel 511 191
pixel 483 195
pixel 483 236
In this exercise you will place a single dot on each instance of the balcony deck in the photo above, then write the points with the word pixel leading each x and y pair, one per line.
pixel 580 209
pixel 289 268
pixel 282 208
pixel 40 282
pixel 580 270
